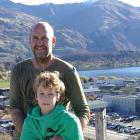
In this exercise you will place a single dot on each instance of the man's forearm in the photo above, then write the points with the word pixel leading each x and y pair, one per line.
pixel 18 119
pixel 84 122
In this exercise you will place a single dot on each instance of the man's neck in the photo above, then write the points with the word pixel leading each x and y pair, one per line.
pixel 42 65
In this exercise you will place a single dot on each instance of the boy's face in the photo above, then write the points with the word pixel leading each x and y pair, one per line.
pixel 46 98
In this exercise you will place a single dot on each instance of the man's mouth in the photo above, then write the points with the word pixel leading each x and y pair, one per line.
pixel 40 48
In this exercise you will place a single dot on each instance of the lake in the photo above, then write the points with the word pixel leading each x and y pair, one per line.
pixel 119 72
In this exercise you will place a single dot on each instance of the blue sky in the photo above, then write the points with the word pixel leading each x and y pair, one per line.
pixel 36 2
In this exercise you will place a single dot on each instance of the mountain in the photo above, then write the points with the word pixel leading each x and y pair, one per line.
pixel 101 26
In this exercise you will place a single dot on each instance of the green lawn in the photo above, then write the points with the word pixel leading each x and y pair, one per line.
pixel 4 84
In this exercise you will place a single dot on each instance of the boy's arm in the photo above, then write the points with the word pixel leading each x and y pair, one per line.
pixel 28 132
pixel 72 130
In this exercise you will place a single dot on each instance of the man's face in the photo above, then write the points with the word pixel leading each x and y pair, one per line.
pixel 46 98
pixel 41 43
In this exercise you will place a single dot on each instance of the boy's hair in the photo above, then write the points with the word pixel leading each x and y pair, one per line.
pixel 49 80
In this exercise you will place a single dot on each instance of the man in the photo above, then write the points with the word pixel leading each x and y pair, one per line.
pixel 42 41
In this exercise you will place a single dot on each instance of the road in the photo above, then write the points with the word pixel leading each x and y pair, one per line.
pixel 111 135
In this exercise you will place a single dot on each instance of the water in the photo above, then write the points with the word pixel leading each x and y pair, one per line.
pixel 120 72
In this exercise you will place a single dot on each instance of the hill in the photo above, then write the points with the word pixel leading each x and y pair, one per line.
pixel 105 26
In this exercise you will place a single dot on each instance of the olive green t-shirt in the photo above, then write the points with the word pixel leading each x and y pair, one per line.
pixel 21 86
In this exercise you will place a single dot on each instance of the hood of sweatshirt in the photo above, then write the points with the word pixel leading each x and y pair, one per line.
pixel 35 113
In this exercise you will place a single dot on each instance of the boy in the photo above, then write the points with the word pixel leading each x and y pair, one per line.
pixel 49 118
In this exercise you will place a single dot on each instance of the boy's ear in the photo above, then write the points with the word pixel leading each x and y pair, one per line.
pixel 35 101
pixel 58 98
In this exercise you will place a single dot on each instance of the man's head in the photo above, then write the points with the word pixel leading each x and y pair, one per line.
pixel 48 88
pixel 42 40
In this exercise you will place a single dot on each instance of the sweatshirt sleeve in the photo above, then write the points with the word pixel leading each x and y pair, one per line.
pixel 72 130
pixel 28 131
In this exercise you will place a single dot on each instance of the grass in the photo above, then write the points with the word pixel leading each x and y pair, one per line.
pixel 4 83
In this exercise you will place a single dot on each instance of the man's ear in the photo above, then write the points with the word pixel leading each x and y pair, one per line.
pixel 53 41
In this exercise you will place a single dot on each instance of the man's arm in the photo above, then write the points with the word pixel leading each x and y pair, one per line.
pixel 77 97
pixel 84 122
pixel 18 119
pixel 16 101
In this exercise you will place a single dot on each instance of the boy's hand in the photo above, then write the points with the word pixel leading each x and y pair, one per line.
pixel 57 138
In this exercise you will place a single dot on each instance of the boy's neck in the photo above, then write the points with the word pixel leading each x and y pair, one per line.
pixel 45 112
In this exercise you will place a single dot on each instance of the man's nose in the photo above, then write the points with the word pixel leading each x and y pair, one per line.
pixel 39 42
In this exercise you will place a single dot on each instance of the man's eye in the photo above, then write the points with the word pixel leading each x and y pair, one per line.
pixel 35 38
pixel 45 38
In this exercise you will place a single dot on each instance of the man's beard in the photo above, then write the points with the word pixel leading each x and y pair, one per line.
pixel 41 57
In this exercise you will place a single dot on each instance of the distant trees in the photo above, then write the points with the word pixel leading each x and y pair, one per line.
pixel 4 75
pixel 85 79
pixel 86 61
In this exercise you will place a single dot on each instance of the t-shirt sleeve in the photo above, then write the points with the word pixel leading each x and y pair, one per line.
pixel 76 94
pixel 15 93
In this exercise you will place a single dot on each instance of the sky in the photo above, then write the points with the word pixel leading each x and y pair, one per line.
pixel 36 2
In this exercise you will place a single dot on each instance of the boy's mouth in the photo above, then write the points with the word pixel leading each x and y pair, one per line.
pixel 45 104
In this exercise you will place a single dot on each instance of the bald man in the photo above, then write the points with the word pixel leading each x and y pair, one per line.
pixel 42 41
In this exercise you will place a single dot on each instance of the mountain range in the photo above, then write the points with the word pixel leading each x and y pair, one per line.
pixel 88 27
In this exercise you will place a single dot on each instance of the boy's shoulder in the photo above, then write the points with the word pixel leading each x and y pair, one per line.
pixel 70 116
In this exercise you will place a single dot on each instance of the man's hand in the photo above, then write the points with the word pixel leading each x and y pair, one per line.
pixel 57 138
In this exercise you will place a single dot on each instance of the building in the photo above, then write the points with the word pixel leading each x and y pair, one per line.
pixel 4 91
pixel 123 103
pixel 138 105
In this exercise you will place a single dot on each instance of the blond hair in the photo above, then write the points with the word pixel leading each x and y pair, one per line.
pixel 49 80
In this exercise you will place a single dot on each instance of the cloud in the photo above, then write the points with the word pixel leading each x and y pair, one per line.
pixel 132 2
pixel 36 2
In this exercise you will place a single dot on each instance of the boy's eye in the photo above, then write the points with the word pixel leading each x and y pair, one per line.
pixel 50 94
pixel 41 93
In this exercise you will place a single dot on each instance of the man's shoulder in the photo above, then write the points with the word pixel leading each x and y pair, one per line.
pixel 63 63
pixel 23 63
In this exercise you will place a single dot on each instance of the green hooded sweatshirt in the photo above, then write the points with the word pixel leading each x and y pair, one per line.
pixel 57 122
